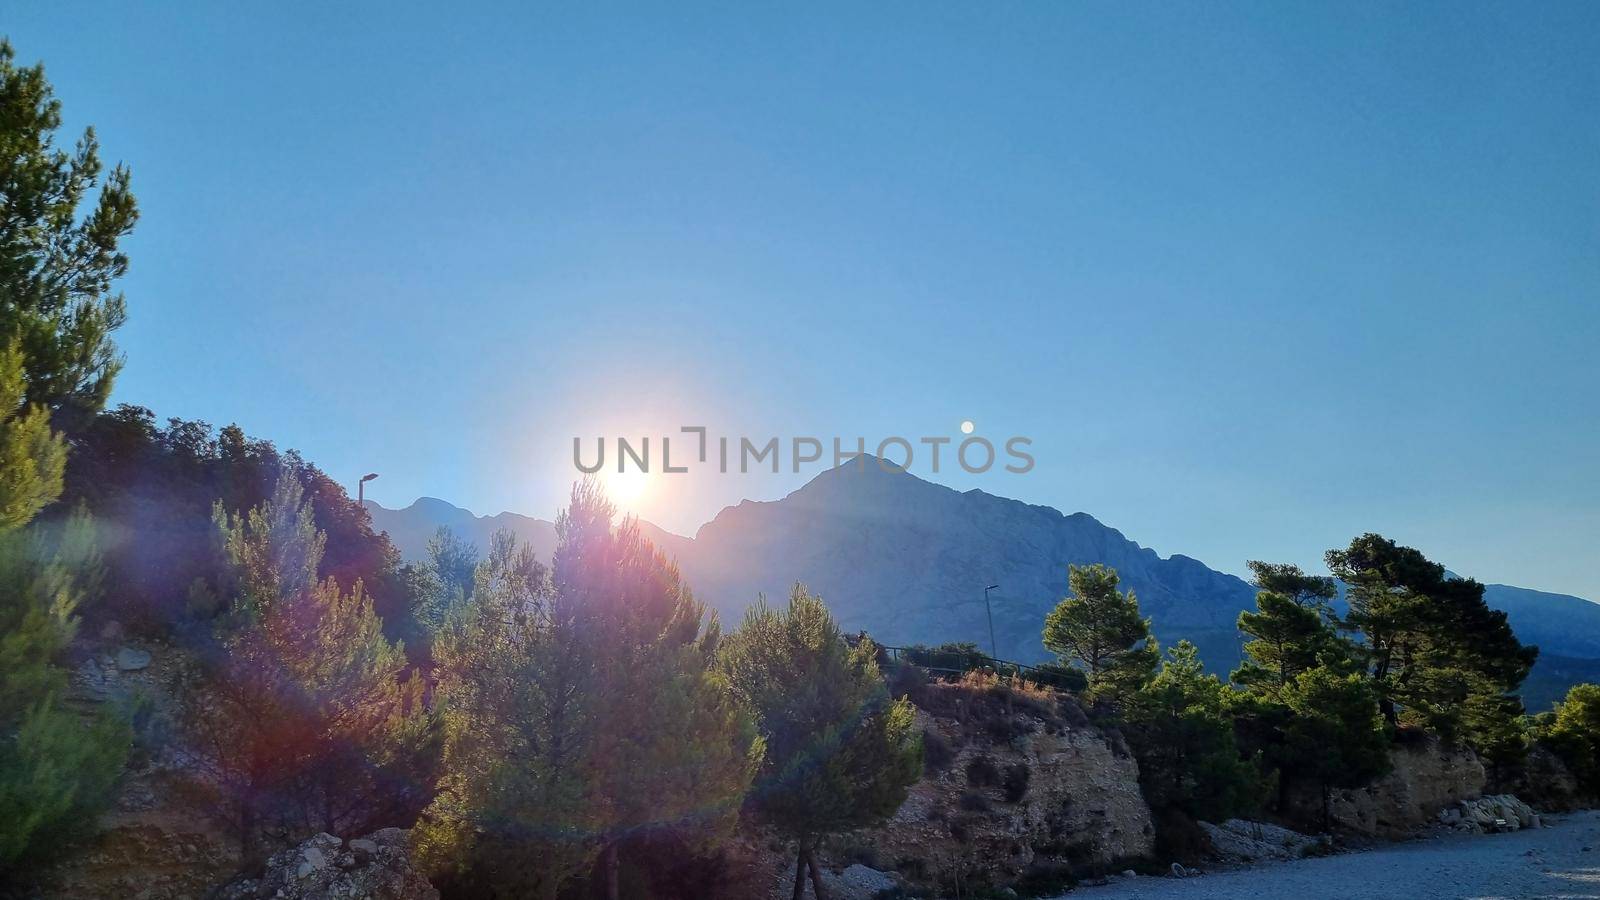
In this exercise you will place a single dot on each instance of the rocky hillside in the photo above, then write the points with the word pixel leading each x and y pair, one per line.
pixel 907 561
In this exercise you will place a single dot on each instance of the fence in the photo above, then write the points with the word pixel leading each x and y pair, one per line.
pixel 960 660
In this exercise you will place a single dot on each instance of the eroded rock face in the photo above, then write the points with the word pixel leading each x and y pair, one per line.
pixel 1015 790
pixel 148 844
pixel 323 867
pixel 1546 782
pixel 1425 779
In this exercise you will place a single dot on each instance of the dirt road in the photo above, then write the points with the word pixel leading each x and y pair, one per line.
pixel 1559 861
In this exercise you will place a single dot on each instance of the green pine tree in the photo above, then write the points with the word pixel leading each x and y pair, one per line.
pixel 56 767
pixel 1287 638
pixel 841 753
pixel 583 714
pixel 1333 735
pixel 1100 629
pixel 1315 592
pixel 1574 734
pixel 57 264
pixel 1432 642
pixel 1181 729
pixel 304 716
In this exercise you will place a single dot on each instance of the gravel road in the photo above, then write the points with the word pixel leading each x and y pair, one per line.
pixel 1561 860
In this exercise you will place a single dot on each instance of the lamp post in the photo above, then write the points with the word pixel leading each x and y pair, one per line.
pixel 994 651
pixel 361 489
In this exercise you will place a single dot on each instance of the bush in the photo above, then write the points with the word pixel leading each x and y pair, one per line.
pixel 953 657
pixel 937 754
pixel 982 772
pixel 1003 707
pixel 1179 838
pixel 1045 879
pixel 972 801
pixel 1015 782
pixel 1060 677
pixel 907 680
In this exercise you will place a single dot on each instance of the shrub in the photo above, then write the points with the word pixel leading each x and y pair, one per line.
pixel 1179 838
pixel 972 801
pixel 937 754
pixel 907 680
pixel 982 772
pixel 1045 879
pixel 1015 781
pixel 1059 677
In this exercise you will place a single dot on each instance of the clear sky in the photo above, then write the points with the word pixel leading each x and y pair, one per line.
pixel 1254 278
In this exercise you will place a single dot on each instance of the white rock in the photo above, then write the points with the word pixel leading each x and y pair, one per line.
pixel 131 660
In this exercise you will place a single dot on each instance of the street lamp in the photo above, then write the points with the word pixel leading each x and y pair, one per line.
pixel 994 651
pixel 361 489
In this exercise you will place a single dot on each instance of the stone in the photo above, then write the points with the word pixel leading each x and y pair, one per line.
pixel 130 659
pixel 864 878
pixel 319 870
pixel 1241 840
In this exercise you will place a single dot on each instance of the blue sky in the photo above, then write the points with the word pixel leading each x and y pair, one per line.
pixel 1253 277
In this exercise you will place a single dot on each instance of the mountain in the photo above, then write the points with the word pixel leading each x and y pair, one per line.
pixel 907 560
pixel 412 527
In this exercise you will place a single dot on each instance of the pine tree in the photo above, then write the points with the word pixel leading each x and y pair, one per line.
pixel 583 714
pixel 1287 638
pixel 57 266
pixel 1333 735
pixel 1315 592
pixel 437 587
pixel 841 754
pixel 512 817
pixel 1100 629
pixel 303 715
pixel 1181 729
pixel 672 739
pixel 58 768
pixel 1432 641
pixel 1574 734
pixel 55 769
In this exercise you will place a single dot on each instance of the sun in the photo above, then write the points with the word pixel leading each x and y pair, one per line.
pixel 627 489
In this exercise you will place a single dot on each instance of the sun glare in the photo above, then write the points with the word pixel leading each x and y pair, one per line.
pixel 627 489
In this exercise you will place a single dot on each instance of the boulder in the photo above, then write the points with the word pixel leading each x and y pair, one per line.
pixel 1242 841
pixel 130 659
pixel 323 867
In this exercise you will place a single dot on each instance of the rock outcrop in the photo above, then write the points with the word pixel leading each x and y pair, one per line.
pixel 323 867
pixel 147 844
pixel 1018 780
pixel 1545 781
pixel 1425 778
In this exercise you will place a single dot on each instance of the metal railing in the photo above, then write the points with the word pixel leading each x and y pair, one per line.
pixel 959 662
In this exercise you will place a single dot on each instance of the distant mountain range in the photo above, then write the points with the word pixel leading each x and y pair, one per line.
pixel 907 560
